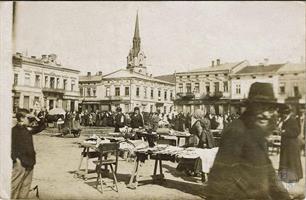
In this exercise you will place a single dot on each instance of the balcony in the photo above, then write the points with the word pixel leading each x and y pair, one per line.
pixel 115 98
pixel 53 90
pixel 212 95
pixel 186 95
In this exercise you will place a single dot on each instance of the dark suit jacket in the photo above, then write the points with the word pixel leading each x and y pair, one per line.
pixel 22 144
pixel 242 168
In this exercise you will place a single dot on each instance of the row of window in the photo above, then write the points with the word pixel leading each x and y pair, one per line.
pixel 53 83
pixel 196 88
pixel 197 76
pixel 281 89
pixel 92 92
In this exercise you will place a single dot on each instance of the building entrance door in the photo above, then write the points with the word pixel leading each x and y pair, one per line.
pixel 72 106
pixel 26 102
pixel 51 104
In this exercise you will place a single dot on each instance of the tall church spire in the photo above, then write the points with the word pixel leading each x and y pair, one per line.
pixel 136 33
pixel 136 58
pixel 136 38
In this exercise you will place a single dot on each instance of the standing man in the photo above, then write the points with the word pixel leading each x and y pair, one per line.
pixel 290 166
pixel 137 119
pixel 119 120
pixel 23 153
pixel 242 169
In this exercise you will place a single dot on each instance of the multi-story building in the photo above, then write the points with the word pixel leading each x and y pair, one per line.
pixel 44 83
pixel 88 91
pixel 292 83
pixel 129 87
pixel 206 86
pixel 243 79
pixel 288 82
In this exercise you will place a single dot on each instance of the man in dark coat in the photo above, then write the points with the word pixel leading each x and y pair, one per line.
pixel 119 120
pixel 242 168
pixel 290 166
pixel 137 119
pixel 23 154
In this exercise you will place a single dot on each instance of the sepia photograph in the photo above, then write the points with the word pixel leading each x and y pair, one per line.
pixel 152 100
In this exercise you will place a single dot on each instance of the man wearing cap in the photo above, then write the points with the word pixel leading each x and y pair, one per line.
pixel 23 153
pixel 242 168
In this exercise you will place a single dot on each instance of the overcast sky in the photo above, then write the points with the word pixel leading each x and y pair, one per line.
pixel 175 36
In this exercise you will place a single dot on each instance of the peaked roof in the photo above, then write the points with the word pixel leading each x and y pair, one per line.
pixel 126 73
pixel 169 78
pixel 136 33
pixel 255 69
pixel 224 66
pixel 292 67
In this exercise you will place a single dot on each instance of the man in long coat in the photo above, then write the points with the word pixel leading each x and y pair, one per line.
pixel 242 168
pixel 290 166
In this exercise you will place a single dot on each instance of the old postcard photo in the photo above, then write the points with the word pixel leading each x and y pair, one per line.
pixel 152 100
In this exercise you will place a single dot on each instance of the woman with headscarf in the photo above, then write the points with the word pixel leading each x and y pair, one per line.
pixel 200 131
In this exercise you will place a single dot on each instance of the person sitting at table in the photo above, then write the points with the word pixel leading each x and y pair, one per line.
pixel 137 119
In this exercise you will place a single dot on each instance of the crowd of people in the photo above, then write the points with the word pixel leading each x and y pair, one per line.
pixel 242 168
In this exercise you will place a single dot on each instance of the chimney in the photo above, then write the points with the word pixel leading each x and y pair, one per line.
pixel 18 54
pixel 52 57
pixel 266 61
pixel 213 63
pixel 218 62
pixel 100 73
pixel 88 73
pixel 44 57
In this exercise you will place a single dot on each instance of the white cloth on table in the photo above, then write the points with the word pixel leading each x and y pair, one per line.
pixel 207 156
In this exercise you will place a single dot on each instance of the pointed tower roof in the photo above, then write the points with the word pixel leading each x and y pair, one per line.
pixel 136 33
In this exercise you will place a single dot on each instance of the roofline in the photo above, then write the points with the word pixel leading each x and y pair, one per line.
pixel 154 79
pixel 239 63
pixel 35 64
pixel 178 73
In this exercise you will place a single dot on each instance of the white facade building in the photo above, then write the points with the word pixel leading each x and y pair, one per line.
pixel 44 83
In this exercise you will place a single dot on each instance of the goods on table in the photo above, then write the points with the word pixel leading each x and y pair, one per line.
pixel 178 133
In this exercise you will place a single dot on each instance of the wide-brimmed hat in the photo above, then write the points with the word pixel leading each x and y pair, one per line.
pixel 261 93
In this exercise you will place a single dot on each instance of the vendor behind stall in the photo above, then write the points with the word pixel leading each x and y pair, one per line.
pixel 200 131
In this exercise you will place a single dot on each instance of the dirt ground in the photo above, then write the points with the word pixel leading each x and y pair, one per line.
pixel 58 158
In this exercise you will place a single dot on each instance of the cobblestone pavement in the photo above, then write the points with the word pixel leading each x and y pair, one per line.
pixel 57 158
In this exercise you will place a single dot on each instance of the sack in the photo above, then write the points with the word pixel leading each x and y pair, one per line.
pixel 163 131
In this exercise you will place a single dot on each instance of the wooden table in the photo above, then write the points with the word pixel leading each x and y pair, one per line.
pixel 140 157
pixel 87 154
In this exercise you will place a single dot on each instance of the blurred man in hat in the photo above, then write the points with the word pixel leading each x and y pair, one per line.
pixel 290 166
pixel 23 153
pixel 242 168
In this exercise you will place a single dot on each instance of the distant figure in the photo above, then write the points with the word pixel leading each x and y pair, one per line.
pixel 290 166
